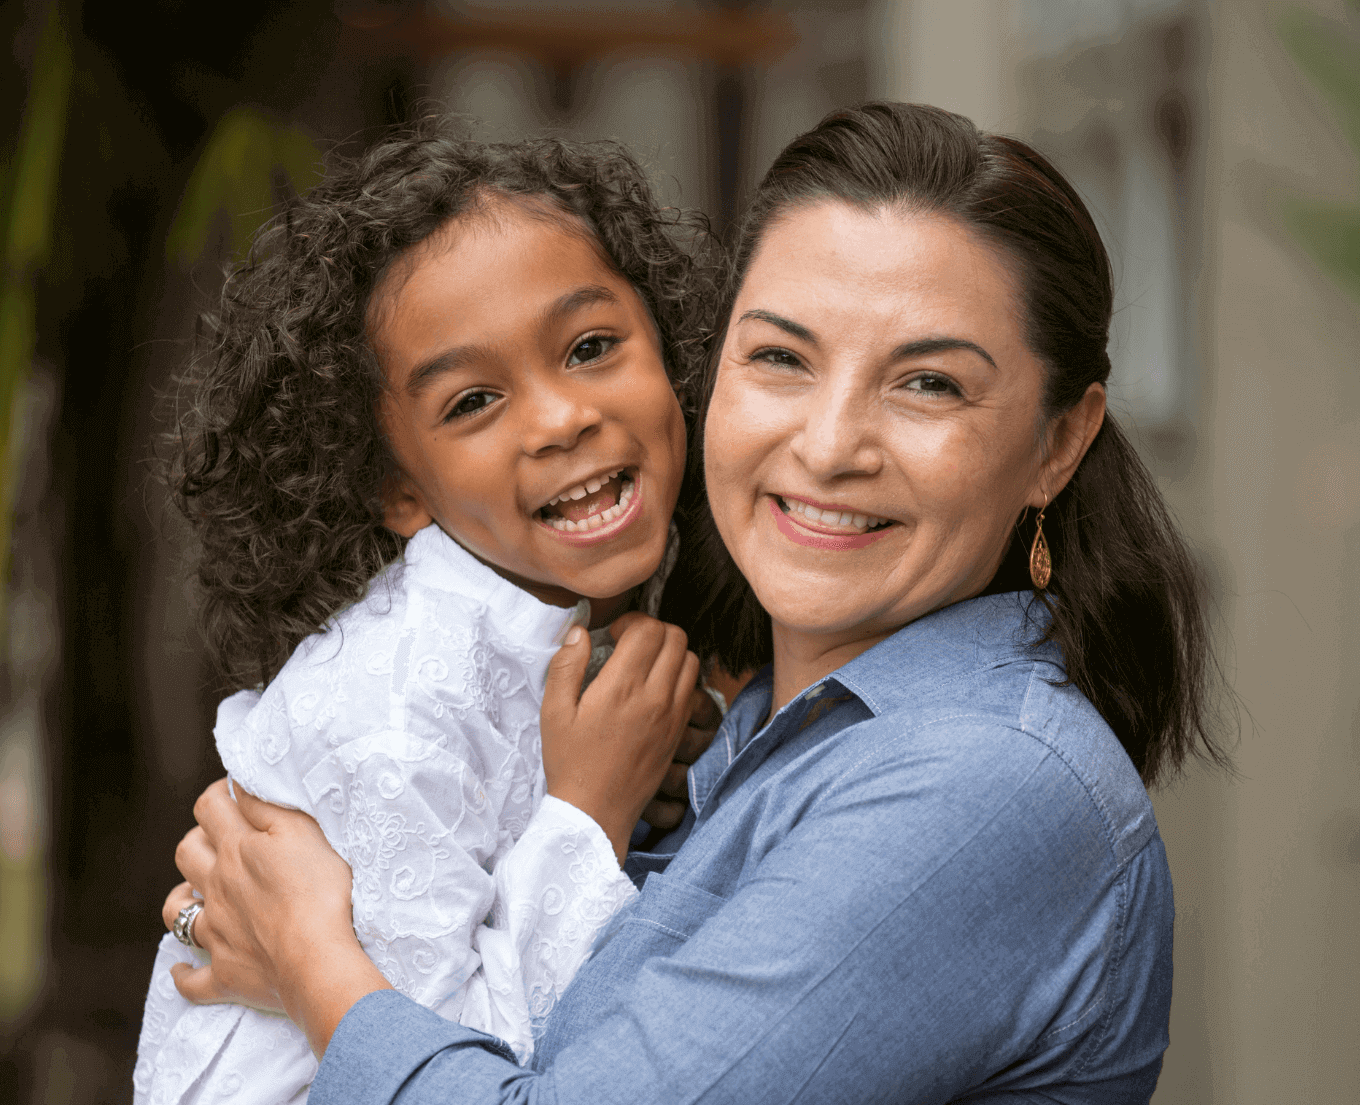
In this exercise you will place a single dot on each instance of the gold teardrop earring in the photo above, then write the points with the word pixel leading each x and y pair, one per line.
pixel 1040 562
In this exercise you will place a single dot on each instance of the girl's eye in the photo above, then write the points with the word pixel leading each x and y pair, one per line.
pixel 470 403
pixel 591 349
pixel 929 384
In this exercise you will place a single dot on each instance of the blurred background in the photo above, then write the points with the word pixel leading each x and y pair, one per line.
pixel 1215 141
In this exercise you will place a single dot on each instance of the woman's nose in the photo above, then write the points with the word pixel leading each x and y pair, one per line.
pixel 556 415
pixel 837 436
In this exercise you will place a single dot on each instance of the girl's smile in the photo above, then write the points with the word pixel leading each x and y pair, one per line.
pixel 528 406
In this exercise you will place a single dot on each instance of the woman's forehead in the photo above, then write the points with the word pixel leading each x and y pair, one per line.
pixel 837 262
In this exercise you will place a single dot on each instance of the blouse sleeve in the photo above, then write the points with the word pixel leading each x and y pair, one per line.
pixel 554 892
pixel 482 933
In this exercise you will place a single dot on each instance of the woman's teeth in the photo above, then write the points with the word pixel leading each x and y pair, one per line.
pixel 595 521
pixel 831 517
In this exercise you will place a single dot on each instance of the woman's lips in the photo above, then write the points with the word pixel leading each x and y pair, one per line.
pixel 801 534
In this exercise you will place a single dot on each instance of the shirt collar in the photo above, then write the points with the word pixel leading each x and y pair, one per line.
pixel 949 644
pixel 915 662
pixel 439 561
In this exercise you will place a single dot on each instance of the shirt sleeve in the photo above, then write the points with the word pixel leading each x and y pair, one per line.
pixel 879 947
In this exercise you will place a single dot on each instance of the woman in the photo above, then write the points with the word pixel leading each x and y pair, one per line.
pixel 919 865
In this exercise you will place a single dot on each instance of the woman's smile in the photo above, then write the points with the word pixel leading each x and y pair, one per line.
pixel 836 528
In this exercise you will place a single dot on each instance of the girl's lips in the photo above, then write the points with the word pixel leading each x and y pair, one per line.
pixel 607 531
pixel 802 535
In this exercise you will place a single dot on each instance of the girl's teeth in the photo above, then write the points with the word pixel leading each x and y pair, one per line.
pixel 593 486
pixel 595 521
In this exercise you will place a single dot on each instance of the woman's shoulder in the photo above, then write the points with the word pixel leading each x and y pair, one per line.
pixel 974 705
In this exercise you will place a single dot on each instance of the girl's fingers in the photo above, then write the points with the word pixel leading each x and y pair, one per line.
pixel 689 674
pixel 676 782
pixel 667 664
pixel 566 671
pixel 704 712
pixel 662 814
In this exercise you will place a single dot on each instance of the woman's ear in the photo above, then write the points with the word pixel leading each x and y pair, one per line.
pixel 404 510
pixel 1073 431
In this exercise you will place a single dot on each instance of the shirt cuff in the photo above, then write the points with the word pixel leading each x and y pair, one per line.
pixel 553 814
pixel 383 1040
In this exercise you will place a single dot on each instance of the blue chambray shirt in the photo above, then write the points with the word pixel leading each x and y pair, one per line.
pixel 933 877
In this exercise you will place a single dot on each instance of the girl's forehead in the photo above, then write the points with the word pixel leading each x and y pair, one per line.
pixel 497 229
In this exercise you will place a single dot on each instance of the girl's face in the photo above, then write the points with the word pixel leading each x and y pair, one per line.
pixel 875 428
pixel 528 406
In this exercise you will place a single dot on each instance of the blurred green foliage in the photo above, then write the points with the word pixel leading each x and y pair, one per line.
pixel 30 186
pixel 1329 54
pixel 235 175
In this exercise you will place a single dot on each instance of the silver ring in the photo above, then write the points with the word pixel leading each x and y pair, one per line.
pixel 183 927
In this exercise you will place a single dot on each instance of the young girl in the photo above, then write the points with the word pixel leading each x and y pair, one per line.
pixel 461 349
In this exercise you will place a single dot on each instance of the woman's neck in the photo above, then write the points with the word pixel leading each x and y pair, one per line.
pixel 801 658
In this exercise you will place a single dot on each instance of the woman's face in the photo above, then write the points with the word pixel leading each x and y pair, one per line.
pixel 875 429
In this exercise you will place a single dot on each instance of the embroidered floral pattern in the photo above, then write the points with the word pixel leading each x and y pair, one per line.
pixel 410 731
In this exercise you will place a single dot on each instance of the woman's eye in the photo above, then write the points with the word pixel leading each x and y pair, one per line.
pixel 591 349
pixel 783 358
pixel 470 403
pixel 933 385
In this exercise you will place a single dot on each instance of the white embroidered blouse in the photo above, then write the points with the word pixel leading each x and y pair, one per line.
pixel 409 730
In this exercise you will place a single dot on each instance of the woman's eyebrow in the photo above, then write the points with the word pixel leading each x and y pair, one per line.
pixel 453 359
pixel 925 346
pixel 785 324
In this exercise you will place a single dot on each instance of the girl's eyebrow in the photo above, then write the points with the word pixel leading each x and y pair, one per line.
pixel 567 305
pixel 562 308
pixel 920 348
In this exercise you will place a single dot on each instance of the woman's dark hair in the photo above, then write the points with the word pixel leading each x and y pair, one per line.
pixel 277 458
pixel 1126 601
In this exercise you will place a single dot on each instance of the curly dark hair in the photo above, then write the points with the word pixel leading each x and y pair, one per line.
pixel 277 457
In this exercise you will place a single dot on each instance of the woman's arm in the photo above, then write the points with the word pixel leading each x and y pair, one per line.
pixel 904 939
pixel 288 941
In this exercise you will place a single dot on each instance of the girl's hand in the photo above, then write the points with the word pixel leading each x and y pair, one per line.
pixel 276 916
pixel 667 807
pixel 606 751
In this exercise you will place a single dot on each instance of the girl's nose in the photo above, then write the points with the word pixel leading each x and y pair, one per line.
pixel 556 415
pixel 838 434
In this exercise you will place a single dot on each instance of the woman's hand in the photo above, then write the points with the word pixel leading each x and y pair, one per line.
pixel 606 751
pixel 276 917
